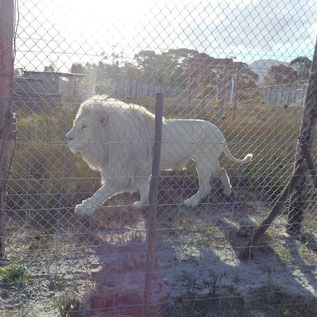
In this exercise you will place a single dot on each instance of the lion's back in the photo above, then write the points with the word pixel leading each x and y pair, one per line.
pixel 183 139
pixel 190 130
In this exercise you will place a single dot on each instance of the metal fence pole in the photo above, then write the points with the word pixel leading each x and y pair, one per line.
pixel 295 212
pixel 6 79
pixel 151 227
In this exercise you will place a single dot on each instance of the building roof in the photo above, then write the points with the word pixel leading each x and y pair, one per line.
pixel 56 74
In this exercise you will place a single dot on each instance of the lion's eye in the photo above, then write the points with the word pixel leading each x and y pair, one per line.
pixel 83 127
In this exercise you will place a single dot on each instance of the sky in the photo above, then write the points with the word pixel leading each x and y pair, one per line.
pixel 67 31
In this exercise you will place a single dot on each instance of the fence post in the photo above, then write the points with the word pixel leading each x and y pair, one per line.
pixel 6 80
pixel 151 227
pixel 235 81
pixel 295 212
pixel 270 96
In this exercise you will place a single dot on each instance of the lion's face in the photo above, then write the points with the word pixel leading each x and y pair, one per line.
pixel 86 127
pixel 80 137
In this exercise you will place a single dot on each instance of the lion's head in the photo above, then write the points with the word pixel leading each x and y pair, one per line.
pixel 109 133
pixel 87 133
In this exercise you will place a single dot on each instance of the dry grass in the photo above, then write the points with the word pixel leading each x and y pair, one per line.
pixel 46 178
pixel 268 131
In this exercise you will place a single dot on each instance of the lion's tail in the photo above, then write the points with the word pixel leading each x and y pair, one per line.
pixel 248 158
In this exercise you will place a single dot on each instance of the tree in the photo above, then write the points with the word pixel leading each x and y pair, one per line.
pixel 206 71
pixel 301 65
pixel 130 71
pixel 182 68
pixel 145 58
pixel 154 68
pixel 147 64
pixel 77 68
pixel 106 76
pixel 168 68
pixel 201 70
pixel 245 77
pixel 176 63
pixel 280 74
pixel 49 68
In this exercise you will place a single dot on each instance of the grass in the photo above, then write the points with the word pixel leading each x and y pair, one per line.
pixel 13 274
pixel 269 300
pixel 278 302
pixel 47 180
pixel 268 131
pixel 198 299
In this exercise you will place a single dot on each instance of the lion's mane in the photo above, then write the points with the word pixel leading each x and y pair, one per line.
pixel 118 139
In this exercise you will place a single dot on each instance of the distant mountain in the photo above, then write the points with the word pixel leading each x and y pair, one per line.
pixel 261 67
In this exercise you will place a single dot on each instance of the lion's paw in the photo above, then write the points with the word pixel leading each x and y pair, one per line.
pixel 137 204
pixel 83 210
pixel 227 193
pixel 191 202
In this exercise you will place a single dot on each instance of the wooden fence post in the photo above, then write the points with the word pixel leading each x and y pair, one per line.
pixel 6 79
pixel 295 212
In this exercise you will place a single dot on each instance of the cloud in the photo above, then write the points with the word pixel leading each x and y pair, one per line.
pixel 260 26
pixel 67 32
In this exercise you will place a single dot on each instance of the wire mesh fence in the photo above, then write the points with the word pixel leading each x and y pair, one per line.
pixel 76 221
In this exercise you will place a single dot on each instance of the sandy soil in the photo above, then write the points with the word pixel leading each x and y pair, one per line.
pixel 196 261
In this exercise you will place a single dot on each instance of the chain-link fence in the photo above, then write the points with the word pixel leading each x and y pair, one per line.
pixel 240 66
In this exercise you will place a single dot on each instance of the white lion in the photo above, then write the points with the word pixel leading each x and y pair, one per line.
pixel 116 139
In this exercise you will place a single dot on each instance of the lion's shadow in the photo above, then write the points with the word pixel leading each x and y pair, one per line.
pixel 193 245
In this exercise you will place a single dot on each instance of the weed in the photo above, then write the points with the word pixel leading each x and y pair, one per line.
pixel 69 306
pixel 284 253
pixel 286 313
pixel 199 297
pixel 40 243
pixel 13 274
pixel 236 279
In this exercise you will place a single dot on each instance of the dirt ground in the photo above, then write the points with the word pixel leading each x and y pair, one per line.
pixel 197 269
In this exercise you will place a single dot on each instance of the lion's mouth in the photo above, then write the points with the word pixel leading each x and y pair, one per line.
pixel 74 148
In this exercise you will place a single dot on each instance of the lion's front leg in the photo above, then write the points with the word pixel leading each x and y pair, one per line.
pixel 144 190
pixel 88 206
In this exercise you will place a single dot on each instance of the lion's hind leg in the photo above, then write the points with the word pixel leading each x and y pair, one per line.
pixel 225 180
pixel 204 172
